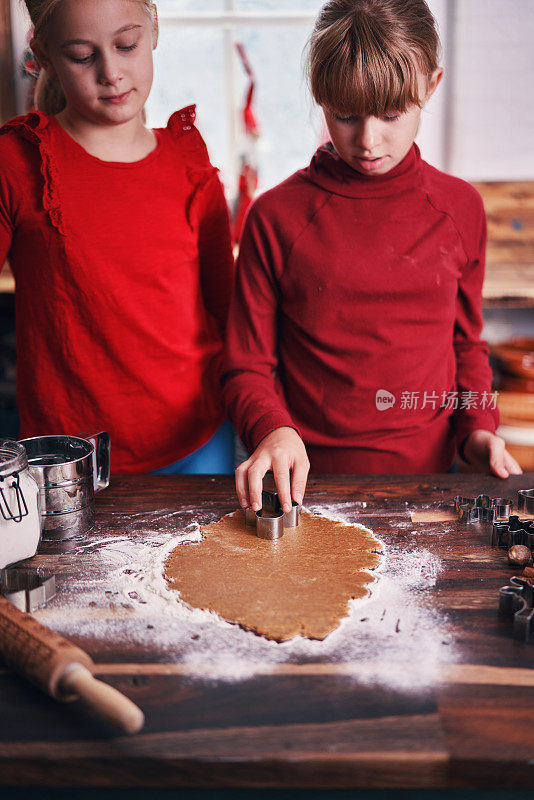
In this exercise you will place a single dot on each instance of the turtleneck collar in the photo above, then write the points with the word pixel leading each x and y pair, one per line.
pixel 330 172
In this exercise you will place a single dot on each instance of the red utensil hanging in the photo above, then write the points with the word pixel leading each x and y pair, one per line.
pixel 248 175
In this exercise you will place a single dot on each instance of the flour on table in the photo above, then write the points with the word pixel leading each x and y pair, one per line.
pixel 396 634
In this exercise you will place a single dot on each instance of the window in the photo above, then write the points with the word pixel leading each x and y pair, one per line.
pixel 196 61
pixel 476 126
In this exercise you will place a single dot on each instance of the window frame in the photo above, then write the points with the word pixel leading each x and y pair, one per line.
pixel 228 20
pixel 7 69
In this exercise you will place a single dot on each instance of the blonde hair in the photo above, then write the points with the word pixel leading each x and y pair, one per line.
pixel 364 56
pixel 49 95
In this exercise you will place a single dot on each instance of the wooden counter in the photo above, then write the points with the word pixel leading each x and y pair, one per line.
pixel 457 713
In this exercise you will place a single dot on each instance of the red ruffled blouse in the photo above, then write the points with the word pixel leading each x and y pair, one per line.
pixel 123 278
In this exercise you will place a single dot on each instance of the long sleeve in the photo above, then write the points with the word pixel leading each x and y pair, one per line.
pixel 473 373
pixel 215 251
pixel 6 223
pixel 159 355
pixel 250 389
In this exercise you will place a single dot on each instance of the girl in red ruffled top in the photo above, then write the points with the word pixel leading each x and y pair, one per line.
pixel 354 335
pixel 119 240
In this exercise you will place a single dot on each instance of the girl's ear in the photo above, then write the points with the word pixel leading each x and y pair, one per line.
pixel 155 26
pixel 433 82
pixel 42 59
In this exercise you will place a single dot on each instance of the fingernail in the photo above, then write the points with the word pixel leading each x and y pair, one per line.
pixel 298 499
pixel 286 508
pixel 256 506
pixel 244 504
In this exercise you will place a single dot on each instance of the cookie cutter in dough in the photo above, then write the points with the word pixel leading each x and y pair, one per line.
pixel 525 501
pixel 483 508
pixel 514 531
pixel 517 600
pixel 27 589
pixel 271 526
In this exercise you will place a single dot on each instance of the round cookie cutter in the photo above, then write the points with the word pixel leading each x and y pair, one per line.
pixel 270 527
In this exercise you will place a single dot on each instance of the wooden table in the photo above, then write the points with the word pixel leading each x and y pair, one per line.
pixel 458 713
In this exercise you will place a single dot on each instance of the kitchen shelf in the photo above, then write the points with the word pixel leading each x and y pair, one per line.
pixel 509 209
pixel 509 286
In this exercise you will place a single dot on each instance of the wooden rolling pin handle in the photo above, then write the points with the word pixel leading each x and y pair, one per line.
pixel 107 702
pixel 60 668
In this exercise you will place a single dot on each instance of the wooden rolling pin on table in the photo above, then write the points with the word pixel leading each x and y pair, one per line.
pixel 61 669
pixel 301 721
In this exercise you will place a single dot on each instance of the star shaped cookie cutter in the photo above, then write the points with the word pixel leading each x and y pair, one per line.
pixel 270 520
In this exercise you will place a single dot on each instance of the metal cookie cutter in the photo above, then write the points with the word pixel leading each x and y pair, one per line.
pixel 483 509
pixel 515 531
pixel 27 589
pixel 516 600
pixel 271 526
pixel 525 501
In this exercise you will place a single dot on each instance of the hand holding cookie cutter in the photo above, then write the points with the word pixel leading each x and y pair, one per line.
pixel 271 526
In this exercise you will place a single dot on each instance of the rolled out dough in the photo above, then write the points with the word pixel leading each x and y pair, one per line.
pixel 434 515
pixel 301 583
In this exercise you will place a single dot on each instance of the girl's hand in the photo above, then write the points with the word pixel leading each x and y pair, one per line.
pixel 282 451
pixel 487 452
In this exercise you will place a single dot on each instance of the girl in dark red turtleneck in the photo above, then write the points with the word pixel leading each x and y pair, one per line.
pixel 353 338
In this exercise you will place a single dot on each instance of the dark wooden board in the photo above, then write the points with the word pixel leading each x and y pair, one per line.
pixel 297 722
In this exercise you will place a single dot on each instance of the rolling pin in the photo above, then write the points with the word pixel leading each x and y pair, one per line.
pixel 61 669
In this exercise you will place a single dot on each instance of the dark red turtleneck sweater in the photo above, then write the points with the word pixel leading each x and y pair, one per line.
pixel 350 285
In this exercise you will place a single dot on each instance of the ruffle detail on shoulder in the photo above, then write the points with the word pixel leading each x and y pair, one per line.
pixel 33 128
pixel 182 121
pixel 199 169
pixel 195 155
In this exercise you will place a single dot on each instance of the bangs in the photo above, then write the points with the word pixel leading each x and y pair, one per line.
pixel 360 70
pixel 361 90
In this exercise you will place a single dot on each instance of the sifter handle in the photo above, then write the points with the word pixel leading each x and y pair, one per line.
pixel 101 458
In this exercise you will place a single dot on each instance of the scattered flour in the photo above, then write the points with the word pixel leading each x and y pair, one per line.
pixel 394 637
